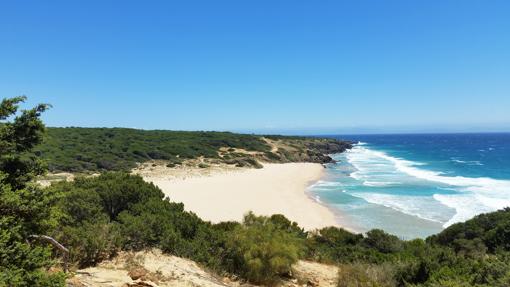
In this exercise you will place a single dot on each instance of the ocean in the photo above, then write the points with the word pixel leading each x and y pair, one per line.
pixel 415 185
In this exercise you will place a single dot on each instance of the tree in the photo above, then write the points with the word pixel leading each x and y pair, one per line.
pixel 23 206
pixel 17 138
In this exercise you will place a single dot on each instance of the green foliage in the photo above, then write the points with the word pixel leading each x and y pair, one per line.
pixel 24 209
pixel 92 208
pixel 91 242
pixel 119 149
pixel 486 231
pixel 100 215
pixel 102 149
pixel 263 250
pixel 456 257
pixel 119 191
pixel 382 241
pixel 23 264
pixel 17 138
pixel 366 275
pixel 242 161
pixel 336 245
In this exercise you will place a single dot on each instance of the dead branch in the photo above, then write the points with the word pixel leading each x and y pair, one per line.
pixel 56 244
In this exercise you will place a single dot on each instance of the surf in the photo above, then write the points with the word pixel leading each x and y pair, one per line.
pixel 473 195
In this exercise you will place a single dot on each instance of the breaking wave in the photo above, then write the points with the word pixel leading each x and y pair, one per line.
pixel 472 196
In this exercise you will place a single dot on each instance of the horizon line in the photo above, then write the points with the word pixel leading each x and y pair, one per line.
pixel 311 132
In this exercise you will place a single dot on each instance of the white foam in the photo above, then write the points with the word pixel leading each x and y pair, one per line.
pixel 468 162
pixel 466 206
pixel 475 195
pixel 323 183
pixel 419 206
pixel 379 183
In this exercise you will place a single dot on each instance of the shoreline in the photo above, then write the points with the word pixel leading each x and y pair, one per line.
pixel 340 218
pixel 227 194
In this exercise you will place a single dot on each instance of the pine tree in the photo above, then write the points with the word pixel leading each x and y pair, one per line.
pixel 23 205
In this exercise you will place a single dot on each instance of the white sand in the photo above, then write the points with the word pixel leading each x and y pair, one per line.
pixel 276 188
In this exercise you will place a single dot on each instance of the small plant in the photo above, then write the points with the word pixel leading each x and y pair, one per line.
pixel 134 261
pixel 366 275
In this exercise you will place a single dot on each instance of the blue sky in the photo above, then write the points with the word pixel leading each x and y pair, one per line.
pixel 262 66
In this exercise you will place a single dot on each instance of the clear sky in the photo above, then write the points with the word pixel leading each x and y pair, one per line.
pixel 284 66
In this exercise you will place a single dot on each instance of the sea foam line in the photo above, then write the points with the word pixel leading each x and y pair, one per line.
pixel 405 204
pixel 480 194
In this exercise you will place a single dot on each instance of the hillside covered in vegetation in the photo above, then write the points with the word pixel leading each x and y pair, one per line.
pixel 100 216
pixel 107 149
pixel 95 218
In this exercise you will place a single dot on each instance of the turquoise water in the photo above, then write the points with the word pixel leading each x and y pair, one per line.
pixel 416 185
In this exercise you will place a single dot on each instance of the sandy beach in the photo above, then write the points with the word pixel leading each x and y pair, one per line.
pixel 228 195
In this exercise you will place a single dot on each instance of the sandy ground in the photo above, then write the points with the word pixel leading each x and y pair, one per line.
pixel 165 270
pixel 229 194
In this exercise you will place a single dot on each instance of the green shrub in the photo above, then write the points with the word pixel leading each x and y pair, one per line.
pixel 335 235
pixel 25 209
pixel 262 251
pixel 119 191
pixel 382 241
pixel 119 149
pixel 493 229
pixel 364 275
pixel 272 156
pixel 91 242
pixel 21 263
pixel 253 163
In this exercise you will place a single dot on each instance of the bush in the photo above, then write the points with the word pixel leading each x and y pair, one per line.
pixel 119 191
pixel 21 263
pixel 382 241
pixel 119 149
pixel 262 251
pixel 334 235
pixel 25 209
pixel 253 163
pixel 98 216
pixel 493 229
pixel 272 156
pixel 91 243
pixel 364 275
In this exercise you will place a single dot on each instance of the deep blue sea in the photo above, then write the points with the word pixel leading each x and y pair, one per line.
pixel 416 185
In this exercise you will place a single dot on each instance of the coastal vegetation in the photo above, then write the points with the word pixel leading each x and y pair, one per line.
pixel 119 149
pixel 100 216
pixel 25 209
pixel 96 217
